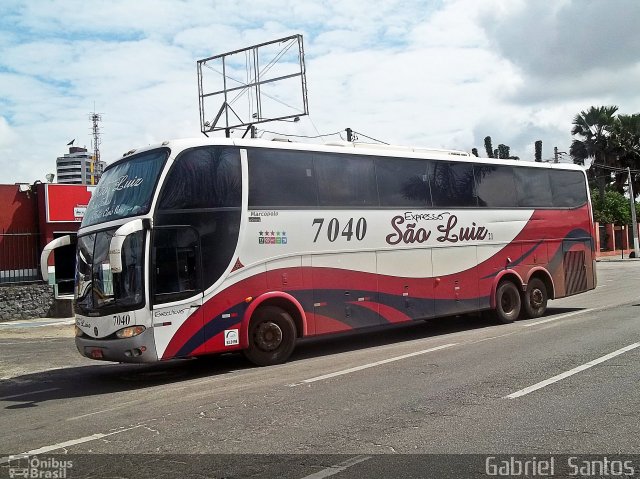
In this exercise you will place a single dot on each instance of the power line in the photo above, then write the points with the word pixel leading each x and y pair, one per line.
pixel 300 136
pixel 362 134
pixel 613 168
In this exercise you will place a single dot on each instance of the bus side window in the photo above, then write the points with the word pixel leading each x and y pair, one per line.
pixel 269 168
pixel 533 187
pixel 346 180
pixel 568 189
pixel 452 185
pixel 495 186
pixel 203 189
pixel 403 182
pixel 176 264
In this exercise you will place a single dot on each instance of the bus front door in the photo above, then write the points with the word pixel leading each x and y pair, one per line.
pixel 176 285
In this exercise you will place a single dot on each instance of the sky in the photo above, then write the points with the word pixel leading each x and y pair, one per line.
pixel 422 73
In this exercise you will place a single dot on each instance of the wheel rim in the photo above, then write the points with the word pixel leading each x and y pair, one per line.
pixel 508 302
pixel 537 298
pixel 268 336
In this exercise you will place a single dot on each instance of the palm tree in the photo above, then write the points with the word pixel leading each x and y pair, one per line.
pixel 626 141
pixel 538 150
pixel 594 128
pixel 488 147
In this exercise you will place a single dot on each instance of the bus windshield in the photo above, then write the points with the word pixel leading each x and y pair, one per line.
pixel 97 287
pixel 126 188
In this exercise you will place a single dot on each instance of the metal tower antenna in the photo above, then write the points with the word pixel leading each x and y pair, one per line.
pixel 96 118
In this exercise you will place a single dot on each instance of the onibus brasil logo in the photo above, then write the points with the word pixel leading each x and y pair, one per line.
pixel 34 467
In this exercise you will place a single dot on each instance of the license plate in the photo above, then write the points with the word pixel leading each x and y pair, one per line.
pixel 96 354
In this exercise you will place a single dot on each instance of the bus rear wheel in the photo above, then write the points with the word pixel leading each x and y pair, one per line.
pixel 535 299
pixel 272 336
pixel 508 303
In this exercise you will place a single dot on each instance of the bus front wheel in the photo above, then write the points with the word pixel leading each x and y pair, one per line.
pixel 508 303
pixel 535 298
pixel 272 336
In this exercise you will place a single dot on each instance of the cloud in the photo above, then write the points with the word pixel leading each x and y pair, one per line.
pixel 569 49
pixel 8 137
pixel 441 73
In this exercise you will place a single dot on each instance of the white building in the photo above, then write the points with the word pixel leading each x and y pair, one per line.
pixel 75 167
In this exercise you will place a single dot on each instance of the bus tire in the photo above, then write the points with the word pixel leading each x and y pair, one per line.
pixel 508 303
pixel 535 299
pixel 272 336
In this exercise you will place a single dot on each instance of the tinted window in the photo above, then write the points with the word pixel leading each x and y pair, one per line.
pixel 533 187
pixel 126 188
pixel 568 188
pixel 403 182
pixel 280 178
pixel 207 177
pixel 176 264
pixel 218 230
pixel 345 180
pixel 452 184
pixel 495 186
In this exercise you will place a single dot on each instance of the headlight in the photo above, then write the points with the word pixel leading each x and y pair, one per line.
pixel 130 332
pixel 78 332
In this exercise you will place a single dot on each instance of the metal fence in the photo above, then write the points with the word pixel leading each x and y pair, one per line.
pixel 19 257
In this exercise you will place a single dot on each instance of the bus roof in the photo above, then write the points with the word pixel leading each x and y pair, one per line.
pixel 344 147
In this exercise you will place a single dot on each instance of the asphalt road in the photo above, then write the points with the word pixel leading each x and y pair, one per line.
pixel 343 407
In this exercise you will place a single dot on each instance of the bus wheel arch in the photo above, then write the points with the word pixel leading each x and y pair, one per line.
pixel 270 328
pixel 544 276
pixel 271 336
pixel 506 299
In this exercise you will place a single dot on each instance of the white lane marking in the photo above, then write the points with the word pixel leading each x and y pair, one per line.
pixel 493 337
pixel 562 316
pixel 332 470
pixel 571 372
pixel 371 365
pixel 120 406
pixel 62 445
pixel 29 393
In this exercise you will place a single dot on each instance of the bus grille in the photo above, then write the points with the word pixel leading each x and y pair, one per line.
pixel 575 273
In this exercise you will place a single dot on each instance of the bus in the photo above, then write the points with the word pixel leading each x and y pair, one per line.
pixel 207 246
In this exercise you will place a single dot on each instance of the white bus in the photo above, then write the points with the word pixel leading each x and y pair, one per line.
pixel 206 246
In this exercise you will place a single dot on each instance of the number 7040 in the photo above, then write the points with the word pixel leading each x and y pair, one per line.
pixel 333 230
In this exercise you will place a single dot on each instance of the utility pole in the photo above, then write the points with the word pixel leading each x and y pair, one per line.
pixel 556 154
pixel 634 223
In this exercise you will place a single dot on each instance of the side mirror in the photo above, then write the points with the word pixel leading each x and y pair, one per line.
pixel 115 247
pixel 44 256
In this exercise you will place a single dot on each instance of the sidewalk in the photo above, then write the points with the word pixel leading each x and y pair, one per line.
pixel 38 328
pixel 618 258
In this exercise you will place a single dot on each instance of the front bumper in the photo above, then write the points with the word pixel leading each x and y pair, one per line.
pixel 139 349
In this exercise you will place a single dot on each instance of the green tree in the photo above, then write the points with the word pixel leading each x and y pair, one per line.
pixel 538 150
pixel 626 142
pixel 593 129
pixel 615 208
pixel 488 146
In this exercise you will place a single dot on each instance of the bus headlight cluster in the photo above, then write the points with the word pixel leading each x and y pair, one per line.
pixel 78 332
pixel 130 332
